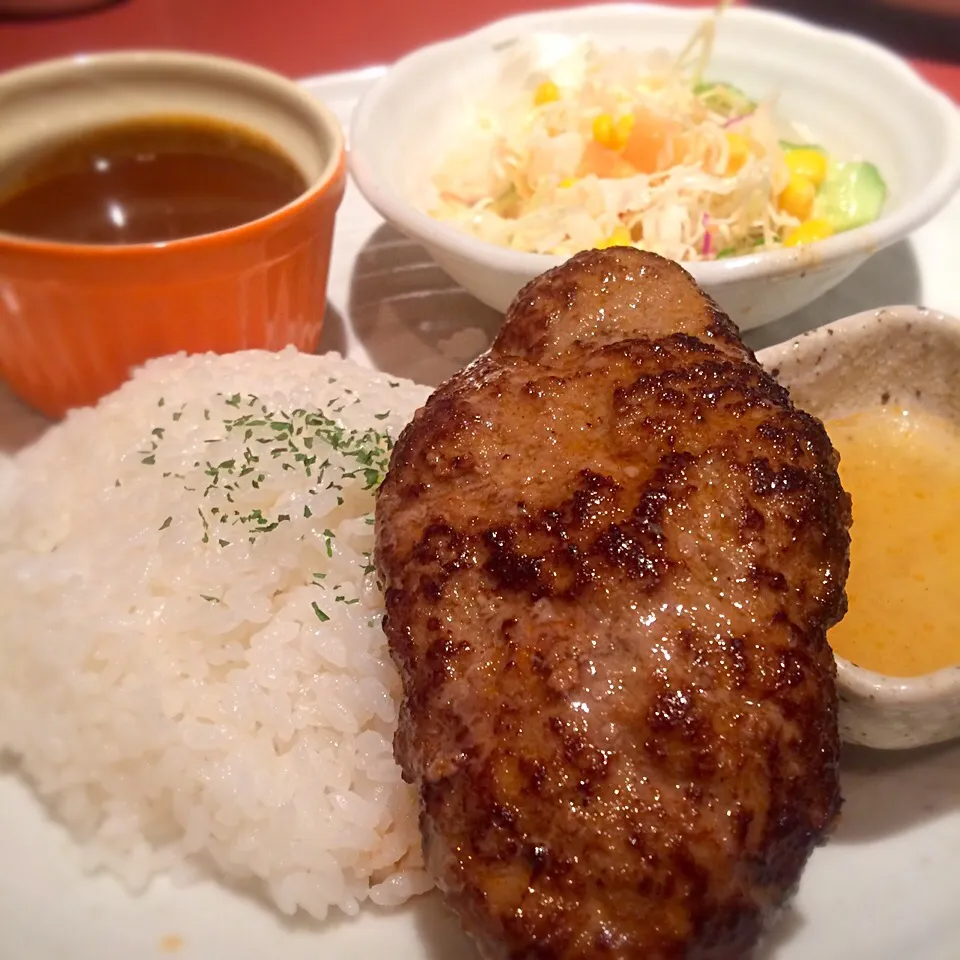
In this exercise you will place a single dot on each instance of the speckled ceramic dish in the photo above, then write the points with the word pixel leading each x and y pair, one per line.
pixel 907 356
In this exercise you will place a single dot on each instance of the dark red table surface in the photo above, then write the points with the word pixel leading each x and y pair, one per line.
pixel 305 37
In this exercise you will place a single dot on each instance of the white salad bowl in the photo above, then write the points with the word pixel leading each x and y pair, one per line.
pixel 908 357
pixel 857 99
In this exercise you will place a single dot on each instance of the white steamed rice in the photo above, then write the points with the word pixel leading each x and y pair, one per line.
pixel 195 686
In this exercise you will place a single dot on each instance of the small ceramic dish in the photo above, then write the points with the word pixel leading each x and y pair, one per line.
pixel 908 357
pixel 76 317
pixel 855 97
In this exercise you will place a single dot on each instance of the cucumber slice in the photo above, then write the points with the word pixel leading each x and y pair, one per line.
pixel 725 98
pixel 852 195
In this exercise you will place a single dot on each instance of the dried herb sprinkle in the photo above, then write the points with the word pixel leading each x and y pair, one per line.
pixel 292 441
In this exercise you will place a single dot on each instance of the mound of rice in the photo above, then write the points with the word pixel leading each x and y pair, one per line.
pixel 192 669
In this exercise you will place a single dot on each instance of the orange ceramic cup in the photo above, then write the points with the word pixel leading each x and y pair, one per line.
pixel 76 318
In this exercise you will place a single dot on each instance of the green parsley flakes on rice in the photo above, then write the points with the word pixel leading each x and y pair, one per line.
pixel 192 668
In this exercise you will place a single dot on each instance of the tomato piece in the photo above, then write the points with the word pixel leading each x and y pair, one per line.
pixel 648 148
pixel 604 162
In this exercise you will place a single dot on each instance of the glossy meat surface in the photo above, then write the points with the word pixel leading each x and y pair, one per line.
pixel 611 549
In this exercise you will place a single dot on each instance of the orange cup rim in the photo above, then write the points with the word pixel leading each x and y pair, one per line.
pixel 331 181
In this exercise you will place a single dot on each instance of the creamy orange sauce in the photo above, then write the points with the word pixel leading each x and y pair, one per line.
pixel 902 469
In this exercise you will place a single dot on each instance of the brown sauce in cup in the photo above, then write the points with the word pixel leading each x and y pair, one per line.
pixel 146 180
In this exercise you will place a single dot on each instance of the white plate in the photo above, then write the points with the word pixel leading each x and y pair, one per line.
pixel 886 888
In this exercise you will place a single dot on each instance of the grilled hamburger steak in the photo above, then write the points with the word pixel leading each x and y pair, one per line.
pixel 611 549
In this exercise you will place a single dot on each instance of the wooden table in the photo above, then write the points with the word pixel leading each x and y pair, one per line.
pixel 305 37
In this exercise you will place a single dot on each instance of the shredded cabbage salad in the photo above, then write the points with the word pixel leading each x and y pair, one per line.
pixel 606 149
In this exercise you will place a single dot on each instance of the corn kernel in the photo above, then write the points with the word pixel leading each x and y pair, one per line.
pixel 603 130
pixel 797 197
pixel 738 149
pixel 809 163
pixel 808 232
pixel 547 92
pixel 619 238
pixel 622 129
pixel 567 182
